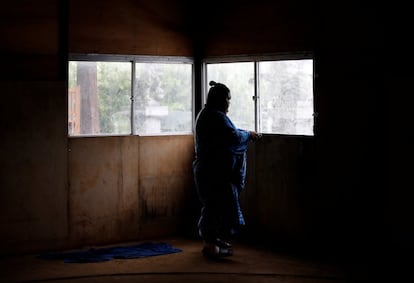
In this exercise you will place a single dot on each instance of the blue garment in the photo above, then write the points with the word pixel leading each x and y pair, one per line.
pixel 219 172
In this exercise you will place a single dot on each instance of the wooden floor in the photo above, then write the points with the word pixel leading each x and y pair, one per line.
pixel 248 264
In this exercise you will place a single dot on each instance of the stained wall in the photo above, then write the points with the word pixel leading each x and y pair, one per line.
pixel 59 192
pixel 128 188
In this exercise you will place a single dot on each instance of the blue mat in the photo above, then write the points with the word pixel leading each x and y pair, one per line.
pixel 105 254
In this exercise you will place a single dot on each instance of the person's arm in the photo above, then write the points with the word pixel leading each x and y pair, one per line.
pixel 238 136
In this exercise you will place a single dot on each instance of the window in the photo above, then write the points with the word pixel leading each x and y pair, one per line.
pixel 110 95
pixel 269 96
pixel 163 102
pixel 99 98
pixel 238 77
pixel 147 95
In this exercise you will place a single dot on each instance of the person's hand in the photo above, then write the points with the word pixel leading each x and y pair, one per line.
pixel 254 136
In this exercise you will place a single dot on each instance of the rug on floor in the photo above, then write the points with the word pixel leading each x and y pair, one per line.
pixel 105 254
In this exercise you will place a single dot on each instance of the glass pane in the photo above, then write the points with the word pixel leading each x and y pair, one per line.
pixel 163 99
pixel 239 78
pixel 99 98
pixel 286 97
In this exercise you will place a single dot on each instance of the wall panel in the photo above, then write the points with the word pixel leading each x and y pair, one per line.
pixel 33 167
pixel 128 27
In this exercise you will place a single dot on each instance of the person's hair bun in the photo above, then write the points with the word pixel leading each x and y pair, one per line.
pixel 212 83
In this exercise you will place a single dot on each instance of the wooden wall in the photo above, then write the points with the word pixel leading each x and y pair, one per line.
pixel 330 189
pixel 33 183
pixel 129 27
pixel 33 144
pixel 128 188
pixel 58 192
pixel 246 27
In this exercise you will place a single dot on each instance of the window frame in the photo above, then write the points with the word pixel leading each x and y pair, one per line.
pixel 133 59
pixel 256 59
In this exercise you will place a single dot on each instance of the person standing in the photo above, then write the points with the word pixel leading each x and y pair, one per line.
pixel 219 171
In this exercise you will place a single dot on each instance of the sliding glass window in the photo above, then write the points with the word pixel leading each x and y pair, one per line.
pixel 269 96
pixel 130 95
pixel 163 101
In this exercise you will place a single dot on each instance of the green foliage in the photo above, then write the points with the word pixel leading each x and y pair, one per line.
pixel 114 92
pixel 72 74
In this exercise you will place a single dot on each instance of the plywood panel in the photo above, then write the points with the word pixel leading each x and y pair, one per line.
pixel 126 188
pixel 246 27
pixel 33 166
pixel 103 191
pixel 166 181
pixel 128 27
pixel 29 27
pixel 279 185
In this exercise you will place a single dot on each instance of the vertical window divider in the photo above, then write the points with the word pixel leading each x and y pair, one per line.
pixel 194 106
pixel 204 84
pixel 256 97
pixel 133 91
